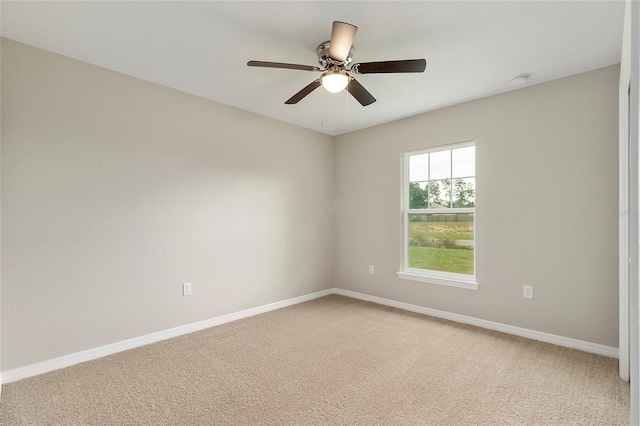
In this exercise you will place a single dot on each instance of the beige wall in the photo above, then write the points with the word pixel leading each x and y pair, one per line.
pixel 546 173
pixel 115 191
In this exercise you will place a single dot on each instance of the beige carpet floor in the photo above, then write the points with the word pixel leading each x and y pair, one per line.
pixel 330 361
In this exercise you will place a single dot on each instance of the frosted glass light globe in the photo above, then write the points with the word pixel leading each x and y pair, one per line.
pixel 335 81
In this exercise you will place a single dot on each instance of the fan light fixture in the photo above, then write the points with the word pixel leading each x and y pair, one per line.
pixel 334 56
pixel 335 81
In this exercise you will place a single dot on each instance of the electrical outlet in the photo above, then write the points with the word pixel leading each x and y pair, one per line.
pixel 186 289
pixel 371 269
pixel 527 291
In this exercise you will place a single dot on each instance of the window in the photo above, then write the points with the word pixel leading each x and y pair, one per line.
pixel 438 215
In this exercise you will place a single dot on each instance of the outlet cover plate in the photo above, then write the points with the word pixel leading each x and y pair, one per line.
pixel 186 289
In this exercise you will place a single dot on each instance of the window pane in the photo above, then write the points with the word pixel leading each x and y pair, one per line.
pixel 440 163
pixel 418 195
pixel 442 242
pixel 464 192
pixel 440 194
pixel 418 167
pixel 464 162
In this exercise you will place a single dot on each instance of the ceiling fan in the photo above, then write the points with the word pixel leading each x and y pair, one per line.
pixel 334 56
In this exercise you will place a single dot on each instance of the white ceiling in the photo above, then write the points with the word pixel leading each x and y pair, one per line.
pixel 473 49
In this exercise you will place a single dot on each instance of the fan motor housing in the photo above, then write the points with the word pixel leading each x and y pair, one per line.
pixel 323 56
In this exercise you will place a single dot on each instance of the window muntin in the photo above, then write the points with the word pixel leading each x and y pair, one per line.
pixel 439 212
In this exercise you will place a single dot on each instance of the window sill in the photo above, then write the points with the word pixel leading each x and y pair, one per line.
pixel 469 284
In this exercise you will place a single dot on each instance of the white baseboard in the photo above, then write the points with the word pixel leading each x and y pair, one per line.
pixel 101 351
pixel 504 328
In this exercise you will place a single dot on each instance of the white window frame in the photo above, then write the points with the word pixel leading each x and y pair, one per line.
pixel 426 275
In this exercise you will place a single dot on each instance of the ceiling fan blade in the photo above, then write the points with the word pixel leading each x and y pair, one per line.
pixel 361 94
pixel 342 35
pixel 282 65
pixel 408 65
pixel 304 92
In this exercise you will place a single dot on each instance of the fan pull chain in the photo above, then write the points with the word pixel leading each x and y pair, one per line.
pixel 321 106
pixel 347 95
